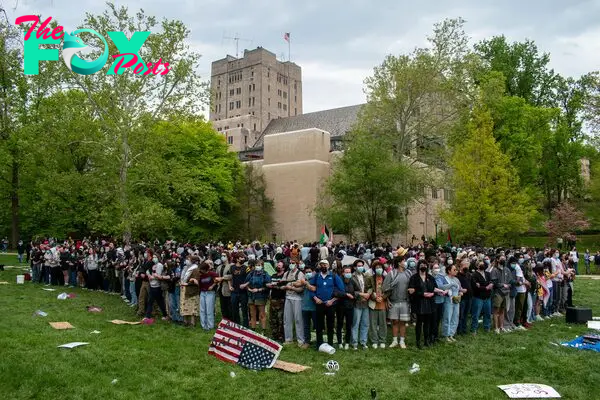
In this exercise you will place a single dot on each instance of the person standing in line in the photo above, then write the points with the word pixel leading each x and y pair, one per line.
pixel 277 303
pixel 464 276
pixel 501 278
pixel 207 281
pixel 239 295
pixel 422 287
pixel 377 306
pixel 190 291
pixel 346 302
pixel 155 275
pixel 482 286
pixel 292 313
pixel 224 272
pixel 396 284
pixel 309 309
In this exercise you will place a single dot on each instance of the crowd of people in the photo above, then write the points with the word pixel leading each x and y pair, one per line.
pixel 350 293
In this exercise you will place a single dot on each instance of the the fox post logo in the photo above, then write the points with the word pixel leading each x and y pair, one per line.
pixel 128 56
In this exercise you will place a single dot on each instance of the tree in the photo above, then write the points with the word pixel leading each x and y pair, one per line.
pixel 127 105
pixel 368 189
pixel 252 217
pixel 565 220
pixel 489 207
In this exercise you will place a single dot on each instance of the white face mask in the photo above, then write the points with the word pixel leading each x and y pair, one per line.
pixel 188 262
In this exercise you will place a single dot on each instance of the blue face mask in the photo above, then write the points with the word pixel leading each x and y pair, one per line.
pixel 379 271
pixel 348 276
pixel 521 261
pixel 486 262
pixel 309 275
pixel 301 267
pixel 513 266
pixel 361 270
pixel 292 266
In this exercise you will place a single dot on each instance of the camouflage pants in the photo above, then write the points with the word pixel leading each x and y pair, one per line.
pixel 276 308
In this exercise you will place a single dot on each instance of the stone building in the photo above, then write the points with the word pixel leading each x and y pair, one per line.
pixel 249 92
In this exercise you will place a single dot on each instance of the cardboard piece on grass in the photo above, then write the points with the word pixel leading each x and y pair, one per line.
pixel 529 391
pixel 72 345
pixel 94 309
pixel 121 322
pixel 3 283
pixel 594 325
pixel 61 325
pixel 290 367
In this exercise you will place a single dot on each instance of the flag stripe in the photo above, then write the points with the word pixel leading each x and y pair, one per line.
pixel 250 335
pixel 222 356
pixel 223 350
pixel 226 342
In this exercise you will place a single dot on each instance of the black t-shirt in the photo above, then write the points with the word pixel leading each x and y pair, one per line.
pixel 314 254
pixel 277 294
pixel 238 277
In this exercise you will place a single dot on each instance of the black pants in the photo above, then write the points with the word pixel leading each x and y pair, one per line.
pixel 343 314
pixel 56 276
pixel 423 326
pixel 325 313
pixel 240 301
pixel 93 279
pixel 156 294
pixel 436 318
pixel 225 306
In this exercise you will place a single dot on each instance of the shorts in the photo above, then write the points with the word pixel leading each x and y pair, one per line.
pixel 499 301
pixel 399 311
pixel 257 302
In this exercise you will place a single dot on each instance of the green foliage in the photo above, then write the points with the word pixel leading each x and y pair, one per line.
pixel 489 207
pixel 368 190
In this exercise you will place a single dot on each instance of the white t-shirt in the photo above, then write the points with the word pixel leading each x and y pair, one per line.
pixel 519 271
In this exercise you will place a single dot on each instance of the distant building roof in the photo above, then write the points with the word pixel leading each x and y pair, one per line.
pixel 336 121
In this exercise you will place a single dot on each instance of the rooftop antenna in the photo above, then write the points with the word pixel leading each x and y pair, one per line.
pixel 237 39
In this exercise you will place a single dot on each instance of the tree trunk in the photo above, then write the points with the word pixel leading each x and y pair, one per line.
pixel 123 199
pixel 14 197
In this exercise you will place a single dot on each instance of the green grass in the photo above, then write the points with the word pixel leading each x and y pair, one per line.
pixel 168 361
pixel 591 242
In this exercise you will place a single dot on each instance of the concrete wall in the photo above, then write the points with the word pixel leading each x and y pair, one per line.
pixel 294 166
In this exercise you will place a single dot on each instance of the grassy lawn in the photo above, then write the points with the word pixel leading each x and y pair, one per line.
pixel 591 242
pixel 168 361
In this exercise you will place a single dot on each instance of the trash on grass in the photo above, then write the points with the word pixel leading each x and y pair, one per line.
pixel 593 325
pixel 414 369
pixel 94 332
pixel 72 345
pixel 71 295
pixel 62 296
pixel 94 309
pixel 121 322
pixel 332 366
pixel 529 391
pixel 49 289
pixel 114 381
pixel 3 283
pixel 289 367
pixel 232 374
pixel 41 313
pixel 20 279
pixel 326 348
pixel 61 325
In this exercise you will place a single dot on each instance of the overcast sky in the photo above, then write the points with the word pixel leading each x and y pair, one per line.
pixel 338 42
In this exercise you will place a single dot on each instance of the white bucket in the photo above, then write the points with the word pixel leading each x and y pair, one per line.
pixel 20 279
pixel 326 348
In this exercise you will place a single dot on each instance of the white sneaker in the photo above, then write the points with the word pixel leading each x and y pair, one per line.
pixel 539 318
pixel 347 346
pixel 355 347
pixel 449 339
pixel 402 345
pixel 382 346
pixel 340 346
pixel 374 345
pixel 497 330
pixel 394 344
pixel 365 347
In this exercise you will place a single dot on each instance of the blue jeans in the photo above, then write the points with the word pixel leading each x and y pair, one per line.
pixel 450 319
pixel 72 277
pixel 207 310
pixel 360 323
pixel 36 271
pixel 307 317
pixel 174 305
pixel 548 306
pixel 20 257
pixel 134 299
pixel 465 309
pixel 478 306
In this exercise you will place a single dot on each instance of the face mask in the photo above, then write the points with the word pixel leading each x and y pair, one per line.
pixel 435 272
pixel 379 271
pixel 309 275
pixel 188 262
pixel 361 270
pixel 155 260
pixel 323 269
pixel 502 262
pixel 411 264
pixel 348 276
pixel 423 269
pixel 513 265
pixel 486 262
pixel 301 267
pixel 450 262
pixel 258 268
pixel 482 267
pixel 292 266
pixel 556 256
pixel 521 261
pixel 224 259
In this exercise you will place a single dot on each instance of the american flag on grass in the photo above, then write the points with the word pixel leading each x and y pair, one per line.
pixel 238 345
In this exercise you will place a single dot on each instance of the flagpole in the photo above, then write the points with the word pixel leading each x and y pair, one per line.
pixel 290 48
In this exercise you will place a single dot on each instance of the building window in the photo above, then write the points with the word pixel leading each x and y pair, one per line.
pixel 279 92
pixel 249 102
pixel 269 102
pixel 434 193
pixel 285 107
pixel 238 90
pixel 285 95
pixel 253 86
pixel 279 105
pixel 249 88
pixel 238 104
pixel 295 86
pixel 219 83
pixel 231 105
pixel 268 88
pixel 229 139
pixel 295 99
pixel 269 116
pixel 219 108
pixel 253 102
pixel 231 92
pixel 295 111
pixel 251 73
pixel 245 139
pixel 254 126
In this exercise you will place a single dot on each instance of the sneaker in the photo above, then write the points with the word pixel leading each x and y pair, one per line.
pixel 497 330
pixel 374 345
pixel 288 343
pixel 449 339
pixel 341 346
pixel 347 346
pixel 394 344
pixel 382 346
pixel 452 338
pixel 355 347
pixel 365 347
pixel 165 319
pixel 402 345
pixel 305 346
pixel 539 318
